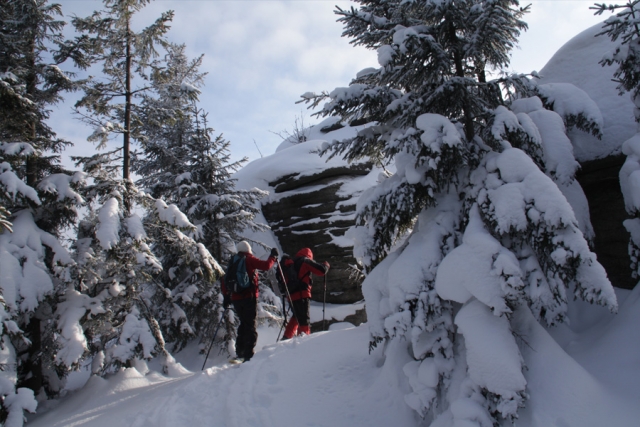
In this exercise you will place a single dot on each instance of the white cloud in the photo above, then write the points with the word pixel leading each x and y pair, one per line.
pixel 262 55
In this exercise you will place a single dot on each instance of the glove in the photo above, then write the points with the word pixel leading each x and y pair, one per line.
pixel 274 253
pixel 226 301
pixel 326 264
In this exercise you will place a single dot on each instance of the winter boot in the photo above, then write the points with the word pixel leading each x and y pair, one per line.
pixel 304 330
pixel 292 328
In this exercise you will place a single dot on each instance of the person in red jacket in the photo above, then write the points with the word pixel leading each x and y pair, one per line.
pixel 245 303
pixel 299 322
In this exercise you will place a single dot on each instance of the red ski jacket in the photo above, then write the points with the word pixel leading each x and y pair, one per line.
pixel 308 267
pixel 252 263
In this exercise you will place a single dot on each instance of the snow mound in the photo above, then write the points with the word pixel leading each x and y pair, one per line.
pixel 327 379
pixel 297 158
pixel 330 379
pixel 577 63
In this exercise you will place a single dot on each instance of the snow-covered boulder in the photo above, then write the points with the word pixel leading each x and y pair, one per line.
pixel 315 211
pixel 312 204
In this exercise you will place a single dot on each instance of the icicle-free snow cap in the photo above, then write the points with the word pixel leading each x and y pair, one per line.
pixel 244 246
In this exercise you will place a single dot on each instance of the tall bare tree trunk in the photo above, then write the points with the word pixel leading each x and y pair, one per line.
pixel 31 81
pixel 127 108
pixel 33 367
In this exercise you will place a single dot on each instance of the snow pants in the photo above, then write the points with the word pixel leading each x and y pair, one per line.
pixel 246 310
pixel 299 322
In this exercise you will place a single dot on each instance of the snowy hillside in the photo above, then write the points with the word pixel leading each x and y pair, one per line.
pixel 329 379
pixel 326 379
pixel 588 375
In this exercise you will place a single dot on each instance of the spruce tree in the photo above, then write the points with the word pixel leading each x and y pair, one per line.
pixel 38 197
pixel 114 263
pixel 433 57
pixel 109 102
pixel 472 229
pixel 139 267
pixel 184 164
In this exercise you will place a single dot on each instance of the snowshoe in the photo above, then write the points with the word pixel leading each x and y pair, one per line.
pixel 236 360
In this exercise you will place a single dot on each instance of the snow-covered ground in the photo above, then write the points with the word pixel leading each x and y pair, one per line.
pixel 330 379
pixel 326 379
pixel 590 374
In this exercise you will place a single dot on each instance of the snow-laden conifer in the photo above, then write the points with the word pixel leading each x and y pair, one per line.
pixel 186 297
pixel 474 224
pixel 113 265
pixel 109 104
pixel 178 288
pixel 183 163
pixel 32 254
pixel 38 198
pixel 123 310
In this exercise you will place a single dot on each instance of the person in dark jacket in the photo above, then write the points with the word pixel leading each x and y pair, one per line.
pixel 299 322
pixel 245 303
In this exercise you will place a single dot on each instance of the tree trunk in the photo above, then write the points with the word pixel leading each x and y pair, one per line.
pixel 469 131
pixel 32 376
pixel 127 108
pixel 31 82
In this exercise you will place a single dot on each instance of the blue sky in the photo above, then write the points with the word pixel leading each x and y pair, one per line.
pixel 261 55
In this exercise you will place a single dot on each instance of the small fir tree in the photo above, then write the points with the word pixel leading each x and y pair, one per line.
pixel 186 297
pixel 494 233
pixel 116 296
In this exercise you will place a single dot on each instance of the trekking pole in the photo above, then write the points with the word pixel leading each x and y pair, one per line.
pixel 214 338
pixel 324 302
pixel 284 315
pixel 286 288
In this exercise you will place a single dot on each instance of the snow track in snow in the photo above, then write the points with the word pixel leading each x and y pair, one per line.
pixel 326 379
pixel 313 381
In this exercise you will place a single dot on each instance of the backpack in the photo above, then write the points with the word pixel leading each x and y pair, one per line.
pixel 290 268
pixel 236 277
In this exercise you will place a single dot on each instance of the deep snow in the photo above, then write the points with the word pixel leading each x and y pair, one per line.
pixel 589 376
pixel 324 379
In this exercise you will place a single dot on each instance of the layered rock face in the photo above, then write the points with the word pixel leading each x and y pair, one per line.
pixel 600 182
pixel 311 202
pixel 315 211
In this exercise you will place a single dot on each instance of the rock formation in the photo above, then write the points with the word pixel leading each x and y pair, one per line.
pixel 600 182
pixel 312 211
